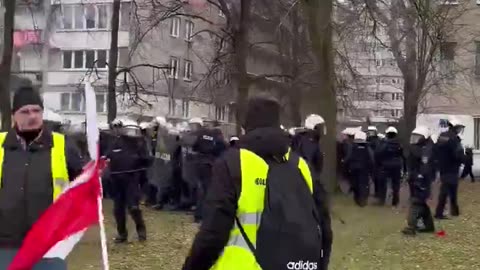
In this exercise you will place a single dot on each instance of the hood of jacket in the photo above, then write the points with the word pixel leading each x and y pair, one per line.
pixel 268 142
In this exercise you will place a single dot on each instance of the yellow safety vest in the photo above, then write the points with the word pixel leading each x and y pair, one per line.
pixel 60 177
pixel 236 254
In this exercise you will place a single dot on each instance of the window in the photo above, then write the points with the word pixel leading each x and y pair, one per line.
pixel 78 59
pixel 397 96
pixel 90 16
pixel 477 57
pixel 72 102
pixel 220 113
pixel 174 67
pixel 103 16
pixel 185 108
pixel 476 132
pixel 188 70
pixel 189 30
pixel 175 27
pixel 171 106
pixel 379 96
pixel 89 59
pixel 101 103
pixel 379 62
pixel 447 56
pixel 84 59
pixel 67 17
pixel 86 16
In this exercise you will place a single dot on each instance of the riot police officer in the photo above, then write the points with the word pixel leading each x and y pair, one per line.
pixel 373 141
pixel 419 162
pixel 390 161
pixel 128 156
pixel 360 163
pixel 233 141
pixel 306 143
pixel 450 154
pixel 206 148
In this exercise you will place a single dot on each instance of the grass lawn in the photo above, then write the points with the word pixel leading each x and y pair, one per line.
pixel 368 240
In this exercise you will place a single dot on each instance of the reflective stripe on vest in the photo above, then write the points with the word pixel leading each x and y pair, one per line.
pixel 59 169
pixel 237 254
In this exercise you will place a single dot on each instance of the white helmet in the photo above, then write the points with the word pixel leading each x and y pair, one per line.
pixel 454 121
pixel 360 136
pixel 372 128
pixel 234 138
pixel 117 123
pixel 391 129
pixel 144 125
pixel 161 121
pixel 422 130
pixel 381 136
pixel 291 131
pixel 313 120
pixel 196 120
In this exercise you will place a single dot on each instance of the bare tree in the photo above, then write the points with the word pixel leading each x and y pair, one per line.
pixel 113 62
pixel 323 100
pixel 415 32
pixel 5 65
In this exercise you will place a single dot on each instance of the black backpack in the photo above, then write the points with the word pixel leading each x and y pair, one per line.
pixel 289 236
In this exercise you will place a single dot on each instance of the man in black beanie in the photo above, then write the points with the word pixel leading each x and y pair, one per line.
pixel 35 165
pixel 235 201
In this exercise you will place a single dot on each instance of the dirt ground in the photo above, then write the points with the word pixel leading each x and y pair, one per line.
pixel 367 239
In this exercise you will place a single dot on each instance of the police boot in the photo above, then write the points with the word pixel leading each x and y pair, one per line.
pixel 137 217
pixel 409 231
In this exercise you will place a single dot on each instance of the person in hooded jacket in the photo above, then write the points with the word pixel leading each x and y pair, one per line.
pixel 419 164
pixel 265 139
pixel 360 162
pixel 450 154
pixel 391 161
pixel 348 136
pixel 306 143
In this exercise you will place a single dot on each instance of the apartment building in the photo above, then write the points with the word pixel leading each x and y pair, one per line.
pixel 58 44
pixel 373 83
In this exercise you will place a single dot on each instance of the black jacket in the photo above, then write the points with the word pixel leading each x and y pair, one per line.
pixel 26 190
pixel 126 153
pixel 389 154
pixel 420 162
pixel 224 192
pixel 449 153
pixel 307 146
pixel 360 158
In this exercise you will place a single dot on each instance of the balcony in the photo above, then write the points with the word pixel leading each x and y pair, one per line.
pixel 66 2
pixel 83 39
pixel 60 78
pixel 23 38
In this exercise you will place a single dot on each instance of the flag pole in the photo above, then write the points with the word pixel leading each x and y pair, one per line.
pixel 93 147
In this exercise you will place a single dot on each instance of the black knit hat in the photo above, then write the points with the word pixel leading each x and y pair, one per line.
pixel 262 112
pixel 26 96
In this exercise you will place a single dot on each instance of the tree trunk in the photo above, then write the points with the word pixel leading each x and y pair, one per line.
pixel 410 105
pixel 113 62
pixel 240 58
pixel 319 16
pixel 6 64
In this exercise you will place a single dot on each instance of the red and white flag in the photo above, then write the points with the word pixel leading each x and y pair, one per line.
pixel 62 225
pixel 79 206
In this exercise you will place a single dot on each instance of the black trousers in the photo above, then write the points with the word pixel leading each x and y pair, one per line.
pixel 467 170
pixel 127 194
pixel 394 175
pixel 204 175
pixel 419 210
pixel 448 190
pixel 361 187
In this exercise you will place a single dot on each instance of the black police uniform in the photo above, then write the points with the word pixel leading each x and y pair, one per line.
pixel 419 164
pixel 306 144
pixel 389 157
pixel 128 156
pixel 208 145
pixel 360 163
pixel 373 143
pixel 467 170
pixel 450 155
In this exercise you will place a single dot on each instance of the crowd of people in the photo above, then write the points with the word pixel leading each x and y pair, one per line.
pixel 258 196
